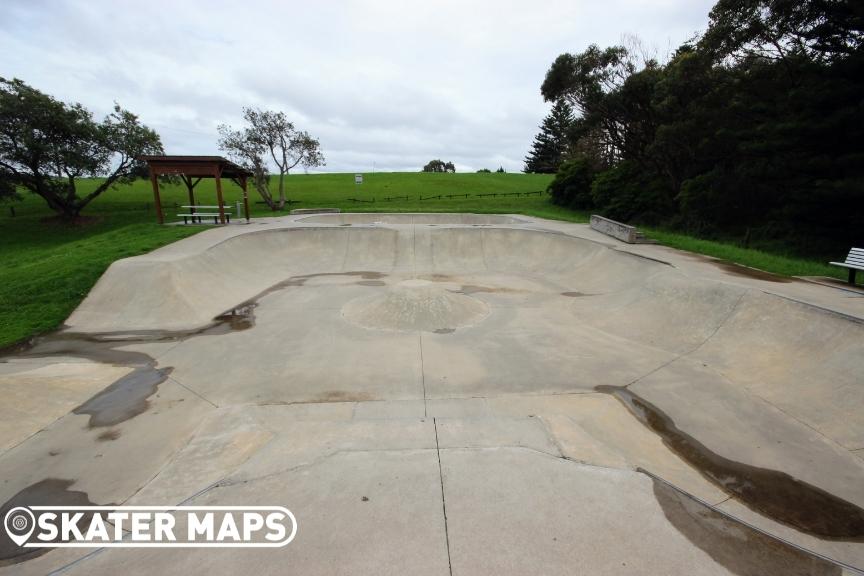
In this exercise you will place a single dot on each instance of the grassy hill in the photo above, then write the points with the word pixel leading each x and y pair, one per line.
pixel 134 203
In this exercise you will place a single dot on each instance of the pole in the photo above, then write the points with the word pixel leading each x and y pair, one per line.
pixel 155 182
pixel 245 197
pixel 218 175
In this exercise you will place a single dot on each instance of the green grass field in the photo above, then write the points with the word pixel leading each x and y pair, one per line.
pixel 46 267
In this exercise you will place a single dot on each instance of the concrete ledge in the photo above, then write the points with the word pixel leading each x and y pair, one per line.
pixel 316 211
pixel 623 232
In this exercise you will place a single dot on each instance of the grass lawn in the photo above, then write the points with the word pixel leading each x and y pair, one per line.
pixel 784 265
pixel 46 268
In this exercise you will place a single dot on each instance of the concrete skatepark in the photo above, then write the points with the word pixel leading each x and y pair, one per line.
pixel 451 394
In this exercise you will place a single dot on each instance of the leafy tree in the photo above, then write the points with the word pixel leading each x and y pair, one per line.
pixel 816 30
pixel 484 171
pixel 572 185
pixel 500 170
pixel 550 146
pixel 269 136
pixel 586 81
pixel 626 192
pixel 47 145
pixel 439 166
pixel 754 130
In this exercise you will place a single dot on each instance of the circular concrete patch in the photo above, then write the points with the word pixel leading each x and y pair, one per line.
pixel 415 305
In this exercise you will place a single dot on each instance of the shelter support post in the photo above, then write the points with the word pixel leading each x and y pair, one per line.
pixel 217 174
pixel 154 180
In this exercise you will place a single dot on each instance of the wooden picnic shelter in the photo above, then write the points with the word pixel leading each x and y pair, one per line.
pixel 193 169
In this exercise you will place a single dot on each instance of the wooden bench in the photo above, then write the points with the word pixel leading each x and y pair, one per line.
pixel 193 215
pixel 854 262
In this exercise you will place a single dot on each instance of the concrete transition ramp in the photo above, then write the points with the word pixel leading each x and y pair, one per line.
pixel 450 394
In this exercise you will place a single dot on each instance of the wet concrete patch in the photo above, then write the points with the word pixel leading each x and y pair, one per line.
pixel 469 289
pixel 129 396
pixel 371 283
pixel 343 396
pixel 48 492
pixel 237 319
pixel 364 274
pixel 738 270
pixel 109 435
pixel 125 398
pixel 772 493
pixel 444 330
pixel 743 271
pixel 574 294
pixel 738 548
pixel 437 277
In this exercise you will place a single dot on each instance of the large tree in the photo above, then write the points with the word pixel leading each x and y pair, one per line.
pixel 550 146
pixel 439 166
pixel 46 145
pixel 753 130
pixel 267 136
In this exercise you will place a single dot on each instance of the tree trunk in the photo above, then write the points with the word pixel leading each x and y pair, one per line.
pixel 282 198
pixel 261 185
pixel 70 212
pixel 64 209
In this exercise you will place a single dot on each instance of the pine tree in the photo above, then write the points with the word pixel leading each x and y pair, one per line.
pixel 550 145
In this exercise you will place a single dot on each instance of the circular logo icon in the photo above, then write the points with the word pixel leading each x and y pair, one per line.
pixel 19 523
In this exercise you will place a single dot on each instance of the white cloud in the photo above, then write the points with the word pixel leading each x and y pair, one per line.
pixel 391 82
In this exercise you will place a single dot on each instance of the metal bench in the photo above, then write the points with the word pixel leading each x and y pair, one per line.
pixel 193 215
pixel 854 262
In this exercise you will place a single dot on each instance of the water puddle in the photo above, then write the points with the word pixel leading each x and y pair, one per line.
pixel 743 271
pixel 48 492
pixel 109 435
pixel 746 272
pixel 736 547
pixel 771 493
pixel 124 399
pixel 469 289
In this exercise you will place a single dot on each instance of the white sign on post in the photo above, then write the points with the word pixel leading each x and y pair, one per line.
pixel 358 178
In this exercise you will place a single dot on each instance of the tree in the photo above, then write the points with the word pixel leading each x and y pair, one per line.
pixel 268 136
pixel 817 30
pixel 439 166
pixel 500 170
pixel 484 171
pixel 47 145
pixel 551 145
pixel 572 185
pixel 753 130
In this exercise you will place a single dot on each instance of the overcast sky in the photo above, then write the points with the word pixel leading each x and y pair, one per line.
pixel 394 83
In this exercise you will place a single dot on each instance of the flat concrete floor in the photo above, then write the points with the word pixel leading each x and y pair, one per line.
pixel 451 394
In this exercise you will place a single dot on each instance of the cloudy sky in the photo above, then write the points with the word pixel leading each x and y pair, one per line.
pixel 394 83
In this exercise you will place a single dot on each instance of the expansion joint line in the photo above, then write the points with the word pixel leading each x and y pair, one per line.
pixel 698 346
pixel 422 371
pixel 443 500
pixel 195 392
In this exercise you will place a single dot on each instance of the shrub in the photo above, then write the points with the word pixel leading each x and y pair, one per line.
pixel 627 192
pixel 572 185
